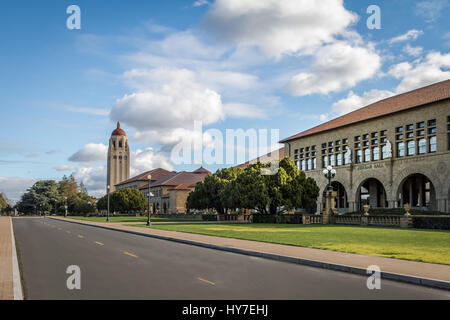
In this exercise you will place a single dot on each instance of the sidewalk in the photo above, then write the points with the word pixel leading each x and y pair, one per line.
pixel 6 270
pixel 428 274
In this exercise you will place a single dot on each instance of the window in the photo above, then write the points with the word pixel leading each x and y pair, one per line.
pixel 302 150
pixel 114 144
pixel 420 133
pixel 331 144
pixel 399 137
pixel 296 151
pixel 399 129
pixel 339 159
pixel 313 154
pixel 297 164
pixel 432 130
pixel 345 141
pixel 366 155
pixel 421 125
pixel 366 143
pixel 432 143
pixel 120 144
pixel 383 140
pixel 324 145
pixel 422 146
pixel 432 123
pixel 332 160
pixel 309 164
pixel 376 154
pixel 411 148
pixel 338 149
pixel 338 142
pixel 358 145
pixel 365 137
pixel 307 155
pixel 314 164
pixel 307 149
pixel 359 156
pixel 384 152
pixel 374 134
pixel 324 162
pixel 400 149
pixel 409 127
pixel 383 133
pixel 347 160
pixel 303 163
pixel 331 150
pixel 410 135
pixel 313 148
pixel 374 142
pixel 358 138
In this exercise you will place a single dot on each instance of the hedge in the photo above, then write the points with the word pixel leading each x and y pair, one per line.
pixel 209 217
pixel 398 212
pixel 282 219
pixel 431 222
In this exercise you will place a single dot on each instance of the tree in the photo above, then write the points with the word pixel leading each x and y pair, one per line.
pixel 268 194
pixel 42 197
pixel 124 201
pixel 3 203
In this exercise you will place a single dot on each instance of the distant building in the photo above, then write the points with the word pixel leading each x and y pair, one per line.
pixel 390 153
pixel 168 189
pixel 118 163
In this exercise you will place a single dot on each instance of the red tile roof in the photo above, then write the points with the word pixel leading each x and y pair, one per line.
pixel 419 97
pixel 264 158
pixel 118 131
pixel 180 178
pixel 156 175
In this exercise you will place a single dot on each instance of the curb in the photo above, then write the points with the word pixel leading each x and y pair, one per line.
pixel 311 263
pixel 17 283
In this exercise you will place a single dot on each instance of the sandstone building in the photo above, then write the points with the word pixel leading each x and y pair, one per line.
pixel 390 153
pixel 118 163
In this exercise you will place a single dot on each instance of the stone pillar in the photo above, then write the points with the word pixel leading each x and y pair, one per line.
pixel 421 196
pixel 330 208
pixel 411 192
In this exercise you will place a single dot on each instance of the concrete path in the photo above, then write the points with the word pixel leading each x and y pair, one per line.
pixel 6 270
pixel 395 267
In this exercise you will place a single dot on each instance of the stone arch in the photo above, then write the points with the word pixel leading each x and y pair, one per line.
pixel 381 176
pixel 371 191
pixel 419 191
pixel 406 172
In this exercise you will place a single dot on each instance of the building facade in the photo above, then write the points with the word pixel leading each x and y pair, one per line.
pixel 390 153
pixel 118 161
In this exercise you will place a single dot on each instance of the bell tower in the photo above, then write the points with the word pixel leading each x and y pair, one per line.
pixel 118 166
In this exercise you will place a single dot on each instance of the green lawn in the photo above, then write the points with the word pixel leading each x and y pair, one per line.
pixel 409 244
pixel 130 219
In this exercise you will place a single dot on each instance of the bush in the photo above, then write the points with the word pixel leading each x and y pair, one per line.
pixel 280 219
pixel 209 217
pixel 431 222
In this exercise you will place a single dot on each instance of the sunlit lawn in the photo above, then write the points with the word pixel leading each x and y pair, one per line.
pixel 410 244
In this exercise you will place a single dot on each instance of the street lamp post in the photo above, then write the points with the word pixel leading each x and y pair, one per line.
pixel 329 173
pixel 149 223
pixel 107 214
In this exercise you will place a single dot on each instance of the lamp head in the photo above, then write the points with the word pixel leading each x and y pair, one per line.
pixel 329 168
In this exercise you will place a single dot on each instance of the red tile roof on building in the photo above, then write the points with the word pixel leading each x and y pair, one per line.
pixel 155 173
pixel 419 97
pixel 180 178
pixel 265 158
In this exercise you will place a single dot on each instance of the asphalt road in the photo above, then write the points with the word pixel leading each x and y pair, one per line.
pixel 117 265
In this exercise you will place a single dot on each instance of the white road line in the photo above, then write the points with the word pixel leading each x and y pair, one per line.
pixel 18 294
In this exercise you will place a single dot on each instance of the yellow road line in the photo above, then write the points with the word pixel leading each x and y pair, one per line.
pixel 80 236
pixel 130 254
pixel 206 281
pixel 99 243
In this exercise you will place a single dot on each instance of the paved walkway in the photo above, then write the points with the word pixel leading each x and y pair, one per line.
pixel 395 266
pixel 6 270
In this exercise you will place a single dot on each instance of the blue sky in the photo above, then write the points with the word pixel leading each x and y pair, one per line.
pixel 159 65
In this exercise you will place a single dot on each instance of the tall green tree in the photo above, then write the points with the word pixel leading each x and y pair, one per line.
pixel 124 201
pixel 3 203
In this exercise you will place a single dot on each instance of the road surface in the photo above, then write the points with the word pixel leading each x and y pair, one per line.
pixel 117 265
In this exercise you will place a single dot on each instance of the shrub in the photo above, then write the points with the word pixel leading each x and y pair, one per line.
pixel 431 222
pixel 398 212
pixel 281 219
pixel 209 217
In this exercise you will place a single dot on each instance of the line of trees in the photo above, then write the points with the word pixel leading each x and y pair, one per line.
pixel 124 201
pixel 51 197
pixel 5 207
pixel 235 188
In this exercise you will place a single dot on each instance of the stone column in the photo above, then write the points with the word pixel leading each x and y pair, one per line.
pixel 330 208
pixel 411 192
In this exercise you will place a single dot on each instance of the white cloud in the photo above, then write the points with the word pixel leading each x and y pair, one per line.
pixel 91 111
pixel 336 67
pixel 431 10
pixel 200 3
pixel 432 69
pixel 93 178
pixel 64 168
pixel 14 187
pixel 354 101
pixel 410 35
pixel 92 152
pixel 148 159
pixel 413 51
pixel 243 110
pixel 279 27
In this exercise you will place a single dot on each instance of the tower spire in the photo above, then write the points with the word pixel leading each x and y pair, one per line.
pixel 118 124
